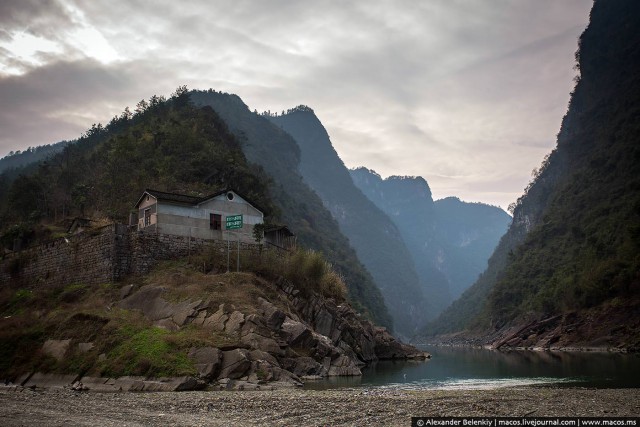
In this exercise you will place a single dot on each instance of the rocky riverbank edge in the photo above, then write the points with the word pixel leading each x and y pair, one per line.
pixel 607 328
pixel 293 406
pixel 460 342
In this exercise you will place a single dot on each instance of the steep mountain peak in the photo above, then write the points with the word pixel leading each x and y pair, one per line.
pixel 267 144
pixel 395 189
pixel 414 186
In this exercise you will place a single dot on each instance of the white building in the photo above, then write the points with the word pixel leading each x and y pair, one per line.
pixel 201 217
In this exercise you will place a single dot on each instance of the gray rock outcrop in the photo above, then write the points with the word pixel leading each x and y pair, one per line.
pixel 300 338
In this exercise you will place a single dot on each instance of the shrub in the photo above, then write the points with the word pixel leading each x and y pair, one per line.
pixel 309 271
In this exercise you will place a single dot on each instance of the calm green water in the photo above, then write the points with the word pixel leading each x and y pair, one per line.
pixel 477 368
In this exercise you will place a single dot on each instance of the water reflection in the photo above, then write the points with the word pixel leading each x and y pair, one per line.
pixel 452 367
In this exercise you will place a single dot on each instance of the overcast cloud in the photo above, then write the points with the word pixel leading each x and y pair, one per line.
pixel 467 94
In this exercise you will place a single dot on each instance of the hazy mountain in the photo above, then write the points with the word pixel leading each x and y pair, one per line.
pixel 375 238
pixel 272 148
pixel 572 249
pixel 469 233
pixel 449 240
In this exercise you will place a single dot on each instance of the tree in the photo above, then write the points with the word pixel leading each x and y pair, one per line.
pixel 141 106
pixel 258 232
pixel 181 96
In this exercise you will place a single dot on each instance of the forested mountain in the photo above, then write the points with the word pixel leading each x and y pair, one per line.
pixel 372 234
pixel 449 240
pixel 167 144
pixel 172 145
pixel 272 148
pixel 573 248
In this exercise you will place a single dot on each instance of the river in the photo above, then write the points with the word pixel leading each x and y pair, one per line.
pixel 469 368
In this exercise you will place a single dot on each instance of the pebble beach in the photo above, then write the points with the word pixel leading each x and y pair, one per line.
pixel 300 407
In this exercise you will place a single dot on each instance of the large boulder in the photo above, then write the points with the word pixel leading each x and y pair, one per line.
pixel 207 361
pixel 324 322
pixel 148 299
pixel 387 347
pixel 267 344
pixel 218 320
pixel 235 363
pixel 304 367
pixel 234 324
pixel 184 312
pixel 255 334
pixel 296 333
pixel 272 315
pixel 56 348
pixel 344 366
pixel 164 314
pixel 259 356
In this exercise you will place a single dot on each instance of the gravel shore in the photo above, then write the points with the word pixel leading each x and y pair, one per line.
pixel 296 407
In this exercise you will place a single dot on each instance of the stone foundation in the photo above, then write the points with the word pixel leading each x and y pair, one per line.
pixel 103 255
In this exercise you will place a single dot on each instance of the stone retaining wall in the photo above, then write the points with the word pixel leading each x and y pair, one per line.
pixel 83 258
pixel 100 256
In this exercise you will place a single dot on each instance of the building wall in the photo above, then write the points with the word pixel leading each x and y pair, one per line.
pixel 191 221
pixel 146 202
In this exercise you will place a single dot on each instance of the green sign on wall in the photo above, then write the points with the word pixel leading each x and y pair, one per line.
pixel 233 222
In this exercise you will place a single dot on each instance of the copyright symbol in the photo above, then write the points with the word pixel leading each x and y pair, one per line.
pixel 420 423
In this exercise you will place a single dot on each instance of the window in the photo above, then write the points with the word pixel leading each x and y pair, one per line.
pixel 215 221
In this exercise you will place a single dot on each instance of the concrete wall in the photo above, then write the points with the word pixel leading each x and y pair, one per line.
pixel 100 256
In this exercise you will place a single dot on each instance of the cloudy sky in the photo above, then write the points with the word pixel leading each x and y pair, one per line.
pixel 466 93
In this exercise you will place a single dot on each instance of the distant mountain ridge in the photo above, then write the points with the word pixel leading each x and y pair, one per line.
pixel 450 240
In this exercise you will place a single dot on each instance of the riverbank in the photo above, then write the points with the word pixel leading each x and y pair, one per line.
pixel 606 328
pixel 288 407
